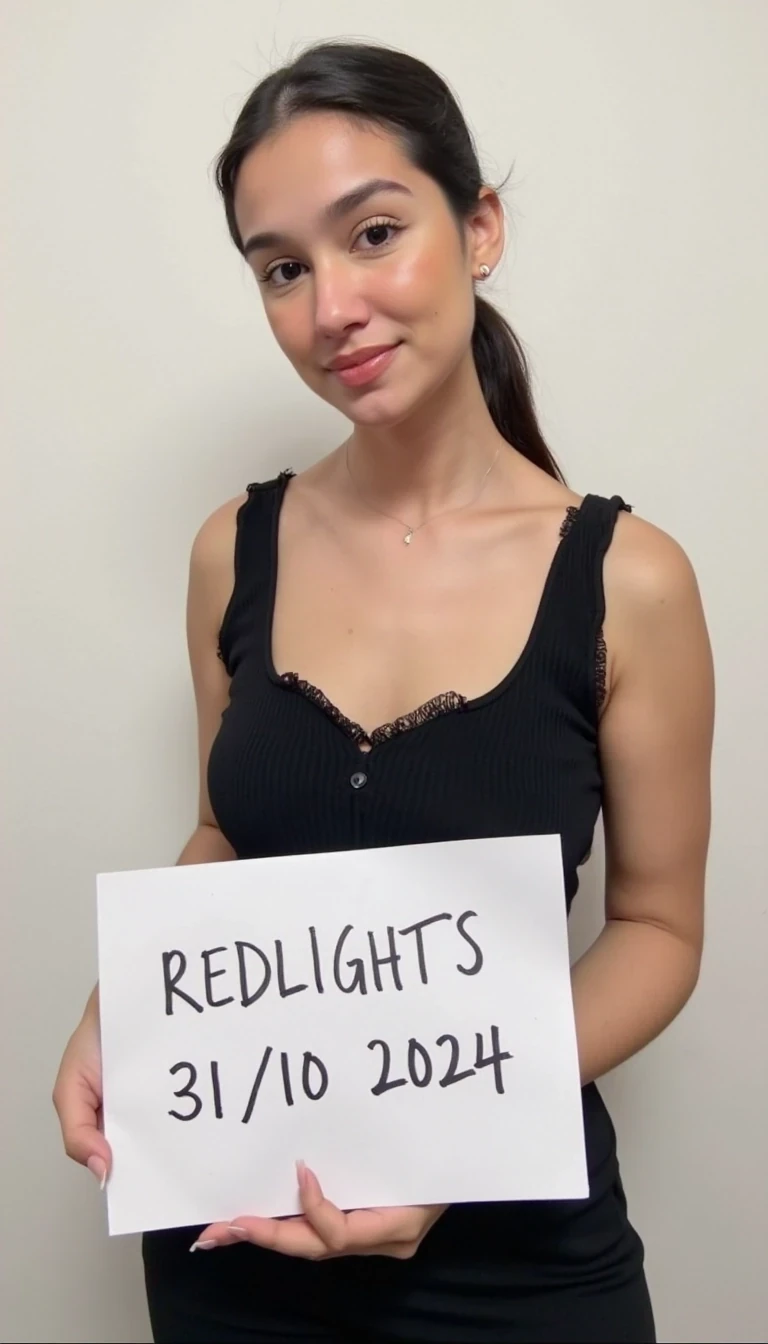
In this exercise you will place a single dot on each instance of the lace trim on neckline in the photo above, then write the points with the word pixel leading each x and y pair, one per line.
pixel 446 703
pixel 571 514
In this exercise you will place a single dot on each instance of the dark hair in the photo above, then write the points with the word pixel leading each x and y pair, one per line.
pixel 379 85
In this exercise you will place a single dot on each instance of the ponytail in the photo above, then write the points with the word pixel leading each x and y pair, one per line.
pixel 505 379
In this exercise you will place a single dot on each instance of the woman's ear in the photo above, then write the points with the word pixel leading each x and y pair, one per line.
pixel 486 231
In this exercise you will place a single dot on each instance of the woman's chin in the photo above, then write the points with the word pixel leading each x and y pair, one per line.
pixel 382 409
pixel 379 416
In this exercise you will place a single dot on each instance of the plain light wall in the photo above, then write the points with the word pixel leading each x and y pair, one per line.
pixel 141 387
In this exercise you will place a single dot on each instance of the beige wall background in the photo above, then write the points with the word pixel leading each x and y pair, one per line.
pixel 141 387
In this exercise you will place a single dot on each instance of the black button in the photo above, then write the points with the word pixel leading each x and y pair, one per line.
pixel 358 780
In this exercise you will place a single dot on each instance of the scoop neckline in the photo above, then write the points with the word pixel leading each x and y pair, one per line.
pixel 391 731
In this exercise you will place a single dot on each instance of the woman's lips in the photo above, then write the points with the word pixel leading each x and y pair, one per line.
pixel 359 374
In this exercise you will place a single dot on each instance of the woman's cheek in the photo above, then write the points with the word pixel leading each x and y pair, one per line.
pixel 414 283
pixel 290 329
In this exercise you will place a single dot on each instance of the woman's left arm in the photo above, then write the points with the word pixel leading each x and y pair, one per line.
pixel 655 744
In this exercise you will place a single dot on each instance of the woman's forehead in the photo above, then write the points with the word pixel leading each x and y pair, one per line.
pixel 299 171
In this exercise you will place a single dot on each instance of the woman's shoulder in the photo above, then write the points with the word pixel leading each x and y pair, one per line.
pixel 213 544
pixel 654 620
pixel 654 628
pixel 646 567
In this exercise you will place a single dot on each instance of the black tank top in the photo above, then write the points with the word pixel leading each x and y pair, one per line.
pixel 287 775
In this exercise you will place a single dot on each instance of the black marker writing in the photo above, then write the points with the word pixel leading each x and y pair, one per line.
pixel 495 1058
pixel 453 1074
pixel 171 981
pixel 422 1076
pixel 246 998
pixel 209 975
pixel 358 979
pixel 311 1061
pixel 286 1078
pixel 316 960
pixel 420 1069
pixel 385 1083
pixel 460 922
pixel 383 962
pixel 417 929
pixel 186 1091
pixel 257 1085
pixel 216 1090
pixel 283 989
pixel 377 961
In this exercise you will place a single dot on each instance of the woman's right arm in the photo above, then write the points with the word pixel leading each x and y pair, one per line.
pixel 77 1094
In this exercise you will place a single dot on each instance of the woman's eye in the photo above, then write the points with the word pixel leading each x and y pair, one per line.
pixel 377 234
pixel 284 273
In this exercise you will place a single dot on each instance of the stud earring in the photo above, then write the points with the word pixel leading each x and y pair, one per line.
pixel 485 271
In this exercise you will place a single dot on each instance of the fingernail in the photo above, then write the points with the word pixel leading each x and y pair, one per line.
pixel 238 1231
pixel 301 1171
pixel 98 1168
pixel 202 1246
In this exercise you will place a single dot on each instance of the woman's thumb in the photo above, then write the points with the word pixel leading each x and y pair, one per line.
pixel 78 1109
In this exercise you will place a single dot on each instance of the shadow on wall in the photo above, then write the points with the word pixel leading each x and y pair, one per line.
pixel 587 912
pixel 633 1092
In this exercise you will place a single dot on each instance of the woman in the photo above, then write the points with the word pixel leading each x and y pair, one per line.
pixel 428 636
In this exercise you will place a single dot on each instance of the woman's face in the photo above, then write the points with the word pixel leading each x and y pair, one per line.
pixel 384 268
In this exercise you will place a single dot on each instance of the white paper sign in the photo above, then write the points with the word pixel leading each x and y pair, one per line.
pixel 400 1019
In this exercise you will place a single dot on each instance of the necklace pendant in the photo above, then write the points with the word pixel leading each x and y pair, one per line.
pixel 408 538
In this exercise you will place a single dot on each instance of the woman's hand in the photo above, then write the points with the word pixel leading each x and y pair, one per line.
pixel 77 1096
pixel 323 1231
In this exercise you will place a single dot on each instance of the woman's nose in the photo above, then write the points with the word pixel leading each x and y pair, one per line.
pixel 339 299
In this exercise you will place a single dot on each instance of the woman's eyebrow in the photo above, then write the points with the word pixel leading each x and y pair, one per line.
pixel 351 200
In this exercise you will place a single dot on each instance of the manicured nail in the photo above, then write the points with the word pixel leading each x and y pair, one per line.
pixel 238 1231
pixel 98 1168
pixel 202 1246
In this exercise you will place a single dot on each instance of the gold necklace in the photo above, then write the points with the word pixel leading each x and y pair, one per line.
pixel 411 531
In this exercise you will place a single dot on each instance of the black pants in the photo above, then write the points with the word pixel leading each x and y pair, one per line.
pixel 485 1274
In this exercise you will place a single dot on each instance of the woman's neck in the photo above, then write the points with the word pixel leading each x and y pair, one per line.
pixel 431 461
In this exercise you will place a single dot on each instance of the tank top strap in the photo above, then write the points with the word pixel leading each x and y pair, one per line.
pixel 571 646
pixel 587 533
pixel 250 603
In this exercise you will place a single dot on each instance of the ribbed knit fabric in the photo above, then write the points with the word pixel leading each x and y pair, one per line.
pixel 286 775
pixel 520 760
